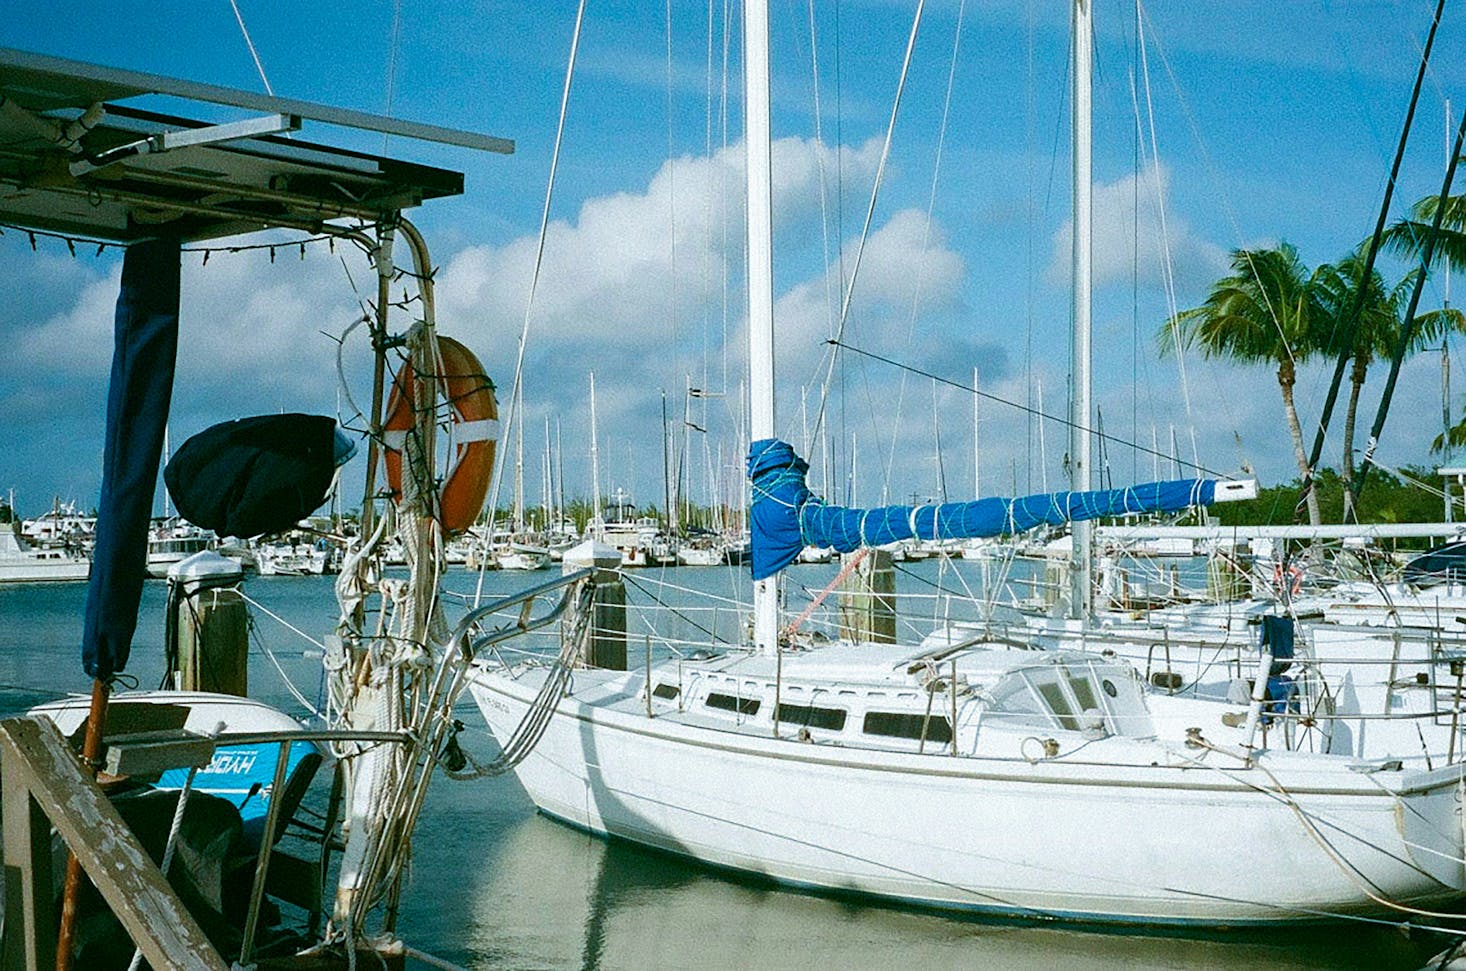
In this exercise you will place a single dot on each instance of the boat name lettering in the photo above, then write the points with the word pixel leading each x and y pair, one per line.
pixel 233 763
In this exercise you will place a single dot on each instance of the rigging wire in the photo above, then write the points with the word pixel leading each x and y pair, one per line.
pixel 1407 331
pixel 251 45
pixel 391 65
pixel 1168 268
pixel 1346 346
pixel 539 260
pixel 1035 412
pixel 870 210
pixel 931 204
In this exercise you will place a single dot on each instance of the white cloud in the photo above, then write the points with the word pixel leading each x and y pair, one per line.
pixel 634 286
pixel 632 268
pixel 1136 230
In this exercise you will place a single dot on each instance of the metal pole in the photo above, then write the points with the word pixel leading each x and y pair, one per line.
pixel 952 687
pixel 1081 409
pixel 760 277
pixel 262 867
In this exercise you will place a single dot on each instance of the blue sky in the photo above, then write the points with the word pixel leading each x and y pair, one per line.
pixel 1271 122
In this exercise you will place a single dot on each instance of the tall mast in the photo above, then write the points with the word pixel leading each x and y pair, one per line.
pixel 559 474
pixel 1080 407
pixel 518 458
pixel 976 464
pixel 757 135
pixel 549 481
pixel 595 457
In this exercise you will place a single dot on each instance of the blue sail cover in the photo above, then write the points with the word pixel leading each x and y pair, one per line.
pixel 786 516
pixel 145 345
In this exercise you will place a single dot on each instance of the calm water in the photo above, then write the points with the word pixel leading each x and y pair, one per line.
pixel 496 886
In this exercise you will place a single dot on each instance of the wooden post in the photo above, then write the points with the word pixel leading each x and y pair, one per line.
pixel 868 600
pixel 213 642
pixel 607 648
pixel 30 912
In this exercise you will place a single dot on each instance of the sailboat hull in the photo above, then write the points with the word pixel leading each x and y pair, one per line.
pixel 1142 844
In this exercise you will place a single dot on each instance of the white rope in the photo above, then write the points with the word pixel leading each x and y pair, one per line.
pixel 281 620
pixel 170 846
pixel 284 678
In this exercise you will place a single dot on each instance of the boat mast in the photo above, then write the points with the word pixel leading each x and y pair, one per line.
pixel 976 463
pixel 595 459
pixel 1079 409
pixel 519 460
pixel 757 134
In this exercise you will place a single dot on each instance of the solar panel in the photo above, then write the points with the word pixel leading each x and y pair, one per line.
pixel 75 161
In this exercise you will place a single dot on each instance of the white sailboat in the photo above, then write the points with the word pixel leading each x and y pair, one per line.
pixel 968 776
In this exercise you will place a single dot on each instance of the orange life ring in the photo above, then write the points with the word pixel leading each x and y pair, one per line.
pixel 472 433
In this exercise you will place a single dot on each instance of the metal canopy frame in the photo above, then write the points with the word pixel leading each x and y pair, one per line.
pixel 74 161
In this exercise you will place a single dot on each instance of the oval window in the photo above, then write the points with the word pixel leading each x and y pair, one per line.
pixel 1109 687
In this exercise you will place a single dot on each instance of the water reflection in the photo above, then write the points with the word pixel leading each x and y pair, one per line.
pixel 539 894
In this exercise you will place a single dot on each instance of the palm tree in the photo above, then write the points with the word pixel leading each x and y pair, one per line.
pixel 1265 311
pixel 1377 334
pixel 1407 238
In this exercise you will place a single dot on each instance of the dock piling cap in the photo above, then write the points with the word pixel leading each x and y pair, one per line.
pixel 597 556
pixel 205 569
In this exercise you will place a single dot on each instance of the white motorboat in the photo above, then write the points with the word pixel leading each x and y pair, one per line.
pixel 173 541
pixel 291 559
pixel 517 557
pixel 21 562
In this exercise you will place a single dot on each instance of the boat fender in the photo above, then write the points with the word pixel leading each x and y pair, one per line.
pixel 473 432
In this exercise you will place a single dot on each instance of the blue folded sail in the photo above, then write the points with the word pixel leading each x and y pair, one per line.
pixel 786 516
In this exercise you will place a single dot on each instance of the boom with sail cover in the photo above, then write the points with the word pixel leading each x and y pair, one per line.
pixel 787 516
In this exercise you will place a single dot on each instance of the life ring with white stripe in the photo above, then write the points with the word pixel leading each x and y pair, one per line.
pixel 472 432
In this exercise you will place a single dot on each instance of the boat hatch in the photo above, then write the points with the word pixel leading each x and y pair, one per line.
pixel 1073 697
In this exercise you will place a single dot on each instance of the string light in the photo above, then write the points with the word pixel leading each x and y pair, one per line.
pixel 102 245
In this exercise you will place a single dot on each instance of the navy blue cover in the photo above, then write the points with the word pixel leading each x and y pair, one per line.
pixel 256 475
pixel 786 516
pixel 145 346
